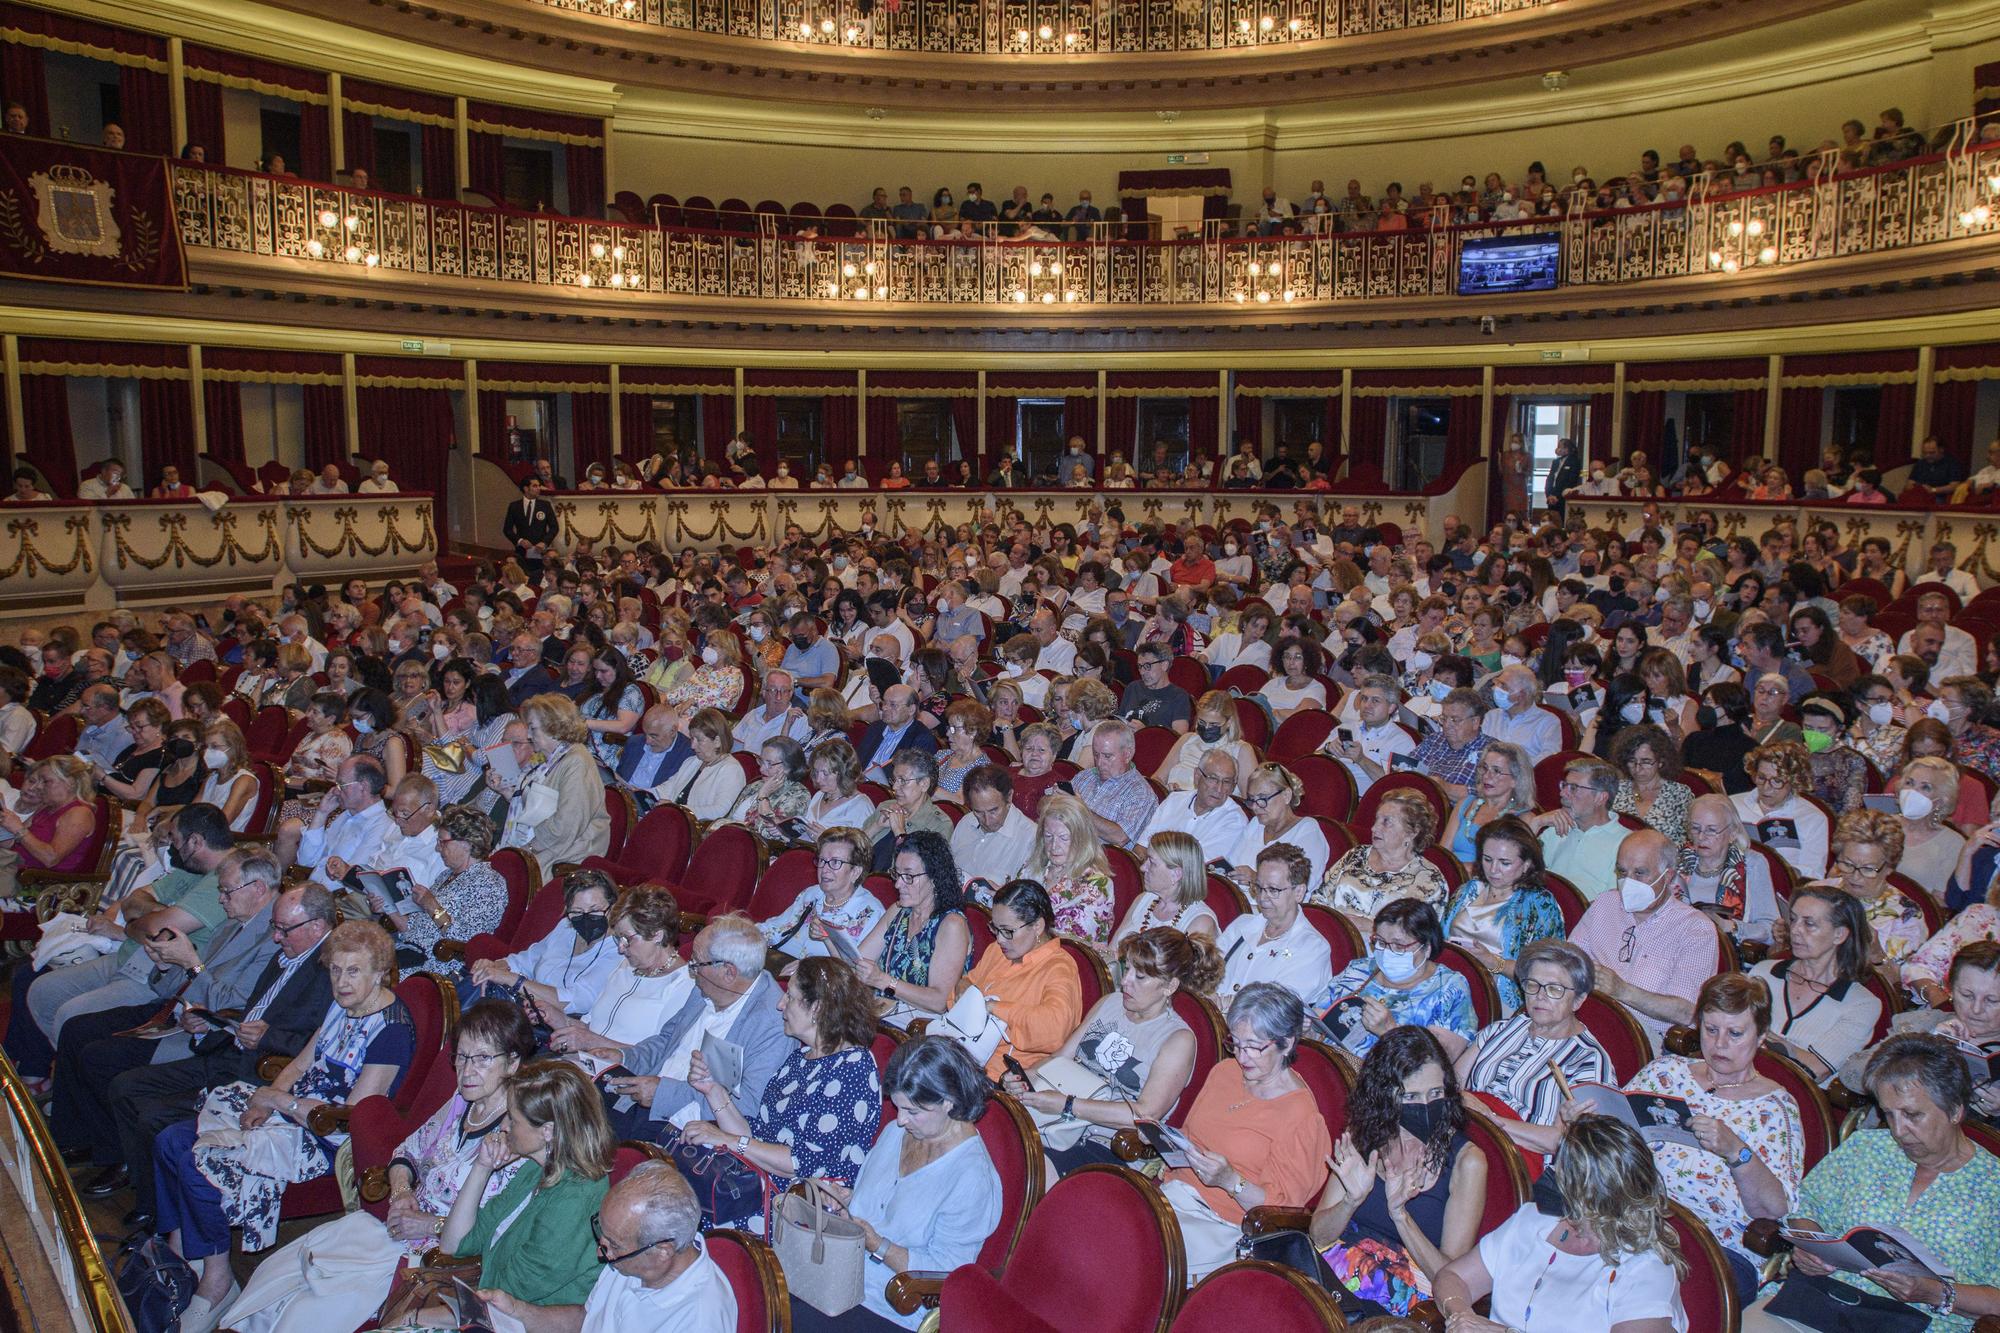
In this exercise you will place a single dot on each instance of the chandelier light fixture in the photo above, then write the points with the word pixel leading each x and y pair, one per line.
pixel 1744 245
pixel 605 266
pixel 338 238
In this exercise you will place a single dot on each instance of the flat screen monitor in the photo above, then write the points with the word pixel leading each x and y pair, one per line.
pixel 1521 262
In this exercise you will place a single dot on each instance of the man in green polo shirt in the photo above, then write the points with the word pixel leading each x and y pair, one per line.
pixel 187 898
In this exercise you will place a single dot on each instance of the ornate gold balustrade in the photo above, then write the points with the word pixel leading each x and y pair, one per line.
pixel 1952 196
pixel 146 552
pixel 708 520
pixel 53 1215
pixel 1048 27
pixel 1909 532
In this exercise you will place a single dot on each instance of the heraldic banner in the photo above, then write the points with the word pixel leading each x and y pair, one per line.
pixel 74 214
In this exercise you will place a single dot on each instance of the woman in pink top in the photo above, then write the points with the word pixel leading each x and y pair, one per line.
pixel 55 832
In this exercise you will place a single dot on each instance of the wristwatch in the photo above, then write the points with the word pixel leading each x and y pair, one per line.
pixel 1743 1158
pixel 742 1142
pixel 1069 1108
pixel 1949 1300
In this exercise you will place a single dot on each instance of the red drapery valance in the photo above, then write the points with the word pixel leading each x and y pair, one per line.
pixel 392 101
pixel 41 27
pixel 1288 383
pixel 1161 384
pixel 1041 384
pixel 543 377
pixel 922 384
pixel 1838 368
pixel 236 70
pixel 1718 376
pixel 71 356
pixel 1416 383
pixel 520 122
pixel 1175 180
pixel 1975 361
pixel 1552 379
pixel 257 366
pixel 764 383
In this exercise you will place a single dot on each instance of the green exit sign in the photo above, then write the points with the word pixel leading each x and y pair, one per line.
pixel 413 344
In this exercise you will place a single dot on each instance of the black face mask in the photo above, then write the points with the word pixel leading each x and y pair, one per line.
pixel 802 641
pixel 589 926
pixel 1616 583
pixel 180 747
pixel 1549 1200
pixel 1210 732
pixel 1705 718
pixel 1587 571
pixel 1423 1119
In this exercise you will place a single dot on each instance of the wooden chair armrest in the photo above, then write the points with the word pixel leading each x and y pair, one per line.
pixel 1761 1237
pixel 1986 1323
pixel 917 1028
pixel 446 951
pixel 1683 1040
pixel 326 1120
pixel 564 867
pixel 437 1260
pixel 373 1184
pixel 259 839
pixel 1845 1099
pixel 1752 952
pixel 1131 1145
pixel 1427 1314
pixel 917 1289
pixel 1270 1219
pixel 30 877
pixel 271 1066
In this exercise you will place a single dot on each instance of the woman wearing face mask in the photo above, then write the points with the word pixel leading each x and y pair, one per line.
pixel 766 649
pixel 230 785
pixel 1723 737
pixel 1398 983
pixel 1822 1011
pixel 1406 1190
pixel 1875 733
pixel 1866 846
pixel 1963 999
pixel 562 972
pixel 718 681
pixel 647 988
pixel 373 718
pixel 1625 704
pixel 1839 772
pixel 1233 567
pixel 1215 728
pixel 1926 793
pixel 1506 907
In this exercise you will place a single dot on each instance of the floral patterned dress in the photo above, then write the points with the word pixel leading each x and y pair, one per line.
pixel 1898 925
pixel 1084 907
pixel 1699 1180
pixel 1351 885
pixel 438 1155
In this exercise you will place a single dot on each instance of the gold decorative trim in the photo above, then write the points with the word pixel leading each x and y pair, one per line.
pixel 1694 386
pixel 524 132
pixel 874 392
pixel 541 386
pixel 1040 392
pixel 267 377
pixel 1418 391
pixel 91 370
pixel 397 113
pixel 259 86
pixel 350 541
pixel 628 387
pixel 1834 381
pixel 608 510
pixel 1960 374
pixel 1211 391
pixel 46 43
pixel 678 509
pixel 1606 387
pixel 1288 391
pixel 402 382
pixel 182 555
pixel 798 391
pixel 27 559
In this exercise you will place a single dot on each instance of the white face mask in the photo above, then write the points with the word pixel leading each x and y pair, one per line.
pixel 757 634
pixel 1701 610
pixel 1882 714
pixel 1396 964
pixel 1422 661
pixel 1229 548
pixel 1661 594
pixel 1509 660
pixel 215 759
pixel 395 646
pixel 1914 804
pixel 710 657
pixel 440 651
pixel 363 726
pixel 1937 711
pixel 1636 894
pixel 1502 699
pixel 1633 711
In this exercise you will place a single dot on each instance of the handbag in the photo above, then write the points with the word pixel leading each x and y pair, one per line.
pixel 1834 1307
pixel 729 1188
pixel 156 1283
pixel 1071 1078
pixel 823 1256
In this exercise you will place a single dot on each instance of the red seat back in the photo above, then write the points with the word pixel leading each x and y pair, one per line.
pixel 524 877
pixel 1190 674
pixel 1254 1293
pixel 1708 1292
pixel 540 916
pixel 1618 1032
pixel 887 1039
pixel 433 1006
pixel 762 1305
pixel 196 673
pixel 1329 787
pixel 1150 746
pixel 378 1128
pixel 55 736
pixel 722 873
pixel 270 790
pixel 237 709
pixel 1016 1149
pixel 1204 1020
pixel 618 804
pixel 1300 734
pixel 1342 939
pixel 1816 1114
pixel 1252 722
pixel 1485 995
pixel 1507 1182
pixel 1225 900
pixel 1126 885
pixel 1420 784
pixel 789 874
pixel 1327 1073
pixel 266 731
pixel 1245 679
pixel 1091 974
pixel 660 843
pixel 1548 776
pixel 1568 898
pixel 979 926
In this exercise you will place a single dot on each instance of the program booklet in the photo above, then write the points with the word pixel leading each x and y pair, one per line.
pixel 836 941
pixel 1168 1142
pixel 1981 1062
pixel 1658 1117
pixel 724 1059
pixel 386 890
pixel 1886 1247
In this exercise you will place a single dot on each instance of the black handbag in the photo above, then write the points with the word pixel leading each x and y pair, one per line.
pixel 1834 1307
pixel 729 1189
pixel 157 1284
pixel 1294 1249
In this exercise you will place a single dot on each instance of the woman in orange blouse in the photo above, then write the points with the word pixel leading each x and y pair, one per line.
pixel 1028 978
pixel 1258 1135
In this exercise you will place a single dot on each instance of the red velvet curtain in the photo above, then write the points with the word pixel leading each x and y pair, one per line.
pixel 1746 426
pixel 885 436
pixel 24 79
pixel 204 117
pixel 1121 428
pixel 357 140
pixel 718 422
pixel 1954 408
pixel 315 142
pixel 1645 421
pixel 1003 423
pixel 1601 441
pixel 486 167
pixel 143 110
pixel 1461 436
pixel 45 415
pixel 1368 430
pixel 1249 421
pixel 1894 419
pixel 840 434
pixel 1496 498
pixel 166 427
pixel 414 429
pixel 1801 418
pixel 965 425
pixel 440 162
pixel 590 429
pixel 584 166
pixel 635 425
pixel 1336 448
pixel 1080 422
pixel 325 411
pixel 222 409
pixel 1202 421
pixel 493 426
pixel 760 420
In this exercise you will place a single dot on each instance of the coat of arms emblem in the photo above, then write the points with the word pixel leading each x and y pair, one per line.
pixel 74 212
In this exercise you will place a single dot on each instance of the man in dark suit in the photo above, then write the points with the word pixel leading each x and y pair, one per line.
pixel 530 526
pixel 1564 476
pixel 527 677
pixel 284 1011
pixel 897 730
pixel 1007 477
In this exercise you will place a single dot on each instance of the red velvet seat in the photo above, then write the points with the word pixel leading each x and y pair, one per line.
pixel 1246 679
pixel 1091 973
pixel 1126 882
pixel 1190 673
pixel 1211 1035
pixel 1300 734
pixel 1253 723
pixel 1508 1183
pixel 379 1127
pixel 789 874
pixel 762 1305
pixel 1329 1075
pixel 1485 994
pixel 1568 898
pixel 1224 899
pixel 270 798
pixel 1618 1032
pixel 1342 939
pixel 1053 1283
pixel 1254 1293
pixel 656 851
pixel 722 873
pixel 196 673
pixel 237 709
pixel 623 813
pixel 524 880
pixel 266 732
pixel 1708 1292
pixel 1548 776
pixel 55 736
pixel 1419 783
pixel 1816 1114
pixel 1329 787
pixel 979 926
pixel 1150 746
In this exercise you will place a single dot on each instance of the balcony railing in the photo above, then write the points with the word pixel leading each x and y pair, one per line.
pixel 1947 196
pixel 1046 27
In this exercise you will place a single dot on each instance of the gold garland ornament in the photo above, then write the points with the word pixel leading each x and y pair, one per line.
pixel 178 550
pixel 27 559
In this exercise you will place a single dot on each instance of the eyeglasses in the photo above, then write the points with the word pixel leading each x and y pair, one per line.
pixel 1256 802
pixel 1555 990
pixel 908 876
pixel 283 931
pixel 832 863
pixel 1006 933
pixel 1856 868
pixel 1566 785
pixel 597 1235
pixel 1248 1047
pixel 464 1058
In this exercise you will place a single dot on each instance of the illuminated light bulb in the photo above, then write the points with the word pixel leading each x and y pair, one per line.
pixel 1735 229
pixel 860 293
pixel 1756 226
pixel 626 5
pixel 847 270
pixel 853 34
pixel 1993 183
pixel 328 217
pixel 1767 255
pixel 1715 258
pixel 1056 268
pixel 1266 23
pixel 1070 39
pixel 869 268
pixel 583 279
pixel 353 252
pixel 805 28
pixel 826 25
pixel 315 249
pixel 881 293
pixel 1240 298
pixel 618 280
pixel 1730 266
pixel 1290 294
pixel 617 252
pixel 1069 296
pixel 372 259
pixel 1255 268
pixel 597 250
pixel 833 289
pixel 351 222
pixel 1035 269
pixel 1048 298
pixel 1243 25
pixel 1045 32
pixel 1263 298
pixel 1020 297
pixel 1965 219
pixel 1293 25
pixel 1021 36
pixel 1981 213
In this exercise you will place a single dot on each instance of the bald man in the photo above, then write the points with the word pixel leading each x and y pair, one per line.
pixel 1652 949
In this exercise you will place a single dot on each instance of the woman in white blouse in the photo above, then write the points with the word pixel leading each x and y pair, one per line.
pixel 1776 810
pixel 1175 882
pixel 836 769
pixel 1822 1011
pixel 1249 644
pixel 708 781
pixel 1273 795
pixel 1276 942
pixel 1298 688
pixel 836 902
pixel 649 987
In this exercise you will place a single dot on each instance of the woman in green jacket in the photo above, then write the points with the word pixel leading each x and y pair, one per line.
pixel 534 1237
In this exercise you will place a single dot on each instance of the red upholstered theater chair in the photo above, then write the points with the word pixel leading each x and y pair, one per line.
pixel 1091 972
pixel 1253 723
pixel 657 849
pixel 1015 1147
pixel 1255 1294
pixel 623 813
pixel 722 873
pixel 1329 787
pixel 265 735
pixel 433 1006
pixel 887 1039
pixel 1708 1292
pixel 1052 1282
pixel 1300 734
pixel 194 673
pixel 1150 746
pixel 1211 1038
pixel 1618 1032
pixel 1190 674
pixel 1245 679
pixel 790 873
pixel 1225 899
pixel 1342 939
pixel 237 709
pixel 762 1303
pixel 1126 882
pixel 543 910
pixel 1485 994
pixel 56 735
pixel 1508 1181
pixel 1548 776
pixel 378 1128
pixel 1569 899
pixel 1421 784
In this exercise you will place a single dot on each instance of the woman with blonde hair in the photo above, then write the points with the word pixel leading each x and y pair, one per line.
pixel 709 781
pixel 559 812
pixel 1215 728
pixel 826 716
pixel 1866 847
pixel 1086 704
pixel 1175 887
pixel 718 681
pixel 1925 798
pixel 1069 861
pixel 835 770
pixel 52 823
pixel 1272 794
pixel 1503 783
pixel 1777 808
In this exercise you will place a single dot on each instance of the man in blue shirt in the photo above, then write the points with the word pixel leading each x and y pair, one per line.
pixel 897 730
pixel 1073 458
pixel 812 661
pixel 955 619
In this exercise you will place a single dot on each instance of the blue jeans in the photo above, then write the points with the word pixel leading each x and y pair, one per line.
pixel 188 1201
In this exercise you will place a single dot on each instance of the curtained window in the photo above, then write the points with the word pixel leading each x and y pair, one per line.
pixel 1161 421
pixel 1422 428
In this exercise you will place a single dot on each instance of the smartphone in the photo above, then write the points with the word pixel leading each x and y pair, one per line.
pixel 1014 1067
pixel 1346 736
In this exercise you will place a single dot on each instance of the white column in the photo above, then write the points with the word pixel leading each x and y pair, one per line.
pixel 198 401
pixel 1920 416
pixel 351 401
pixel 336 130
pixel 17 426
pixel 177 105
pixel 1773 401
